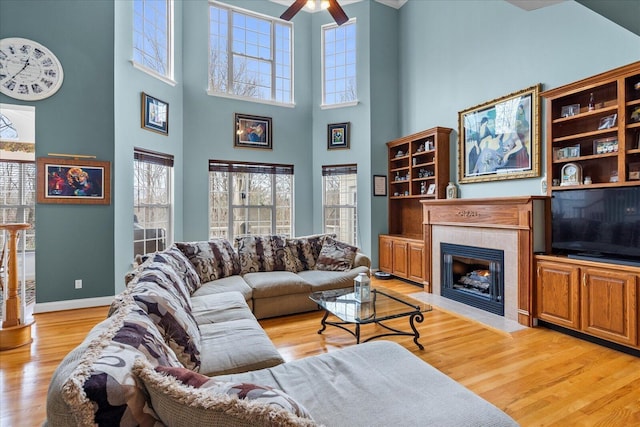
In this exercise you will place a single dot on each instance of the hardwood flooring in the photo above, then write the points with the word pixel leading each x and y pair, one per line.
pixel 538 376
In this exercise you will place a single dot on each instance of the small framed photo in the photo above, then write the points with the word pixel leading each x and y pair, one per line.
pixel 558 153
pixel 573 151
pixel 605 145
pixel 379 185
pixel 155 114
pixel 634 171
pixel 431 189
pixel 608 122
pixel 73 181
pixel 570 110
pixel 338 136
pixel 252 131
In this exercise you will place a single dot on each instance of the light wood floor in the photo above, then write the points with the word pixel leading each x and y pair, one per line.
pixel 539 377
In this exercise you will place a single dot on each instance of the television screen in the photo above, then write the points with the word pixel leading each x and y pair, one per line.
pixel 597 222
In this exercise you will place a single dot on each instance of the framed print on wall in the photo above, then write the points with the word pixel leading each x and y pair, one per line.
pixel 338 136
pixel 73 181
pixel 155 114
pixel 252 131
pixel 500 139
pixel 379 185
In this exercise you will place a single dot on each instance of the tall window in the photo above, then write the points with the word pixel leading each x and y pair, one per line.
pixel 250 55
pixel 339 64
pixel 18 199
pixel 250 198
pixel 153 36
pixel 339 196
pixel 152 201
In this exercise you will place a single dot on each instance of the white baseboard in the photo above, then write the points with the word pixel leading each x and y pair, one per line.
pixel 71 304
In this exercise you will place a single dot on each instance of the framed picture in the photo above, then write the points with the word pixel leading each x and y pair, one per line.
pixel 635 115
pixel 605 145
pixel 338 136
pixel 74 181
pixel 379 185
pixel 252 131
pixel 573 151
pixel 155 114
pixel 570 110
pixel 608 122
pixel 500 139
pixel 431 189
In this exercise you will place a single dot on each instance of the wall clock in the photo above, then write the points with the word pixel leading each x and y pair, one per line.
pixel 28 70
pixel 571 174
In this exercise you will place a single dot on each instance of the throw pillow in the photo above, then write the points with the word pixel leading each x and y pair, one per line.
pixel 206 401
pixel 212 260
pixel 264 253
pixel 180 263
pixel 336 256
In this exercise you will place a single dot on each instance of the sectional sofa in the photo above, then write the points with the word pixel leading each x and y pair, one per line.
pixel 182 347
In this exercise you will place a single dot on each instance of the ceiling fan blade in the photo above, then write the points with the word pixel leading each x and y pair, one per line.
pixel 336 11
pixel 293 9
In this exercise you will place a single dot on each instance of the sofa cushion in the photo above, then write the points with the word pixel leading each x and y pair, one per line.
pixel 306 249
pixel 181 264
pixel 97 385
pixel 336 255
pixel 236 346
pixel 210 402
pixel 177 325
pixel 276 283
pixel 212 260
pixel 220 307
pixel 264 253
pixel 322 280
pixel 226 284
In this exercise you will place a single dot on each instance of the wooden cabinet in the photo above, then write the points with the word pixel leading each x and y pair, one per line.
pixel 594 298
pixel 418 170
pixel 402 257
pixel 595 124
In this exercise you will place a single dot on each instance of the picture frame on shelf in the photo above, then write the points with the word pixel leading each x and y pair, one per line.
pixel 608 122
pixel 573 151
pixel 252 131
pixel 605 145
pixel 500 139
pixel 570 110
pixel 431 189
pixel 379 185
pixel 634 117
pixel 558 153
pixel 338 136
pixel 73 181
pixel 634 171
pixel 155 114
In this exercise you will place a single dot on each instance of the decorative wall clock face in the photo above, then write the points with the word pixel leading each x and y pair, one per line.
pixel 28 70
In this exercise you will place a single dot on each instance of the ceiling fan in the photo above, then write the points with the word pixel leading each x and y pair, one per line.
pixel 333 7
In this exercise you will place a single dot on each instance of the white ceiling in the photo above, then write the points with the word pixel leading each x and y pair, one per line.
pixel 397 4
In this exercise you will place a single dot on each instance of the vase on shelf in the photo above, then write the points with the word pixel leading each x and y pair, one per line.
pixel 452 191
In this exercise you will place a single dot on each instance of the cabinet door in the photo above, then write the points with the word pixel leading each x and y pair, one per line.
pixel 416 262
pixel 385 254
pixel 558 294
pixel 400 258
pixel 609 308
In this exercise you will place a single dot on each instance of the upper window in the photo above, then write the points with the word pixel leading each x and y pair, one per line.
pixel 152 201
pixel 339 64
pixel 249 55
pixel 339 196
pixel 153 36
pixel 18 199
pixel 250 198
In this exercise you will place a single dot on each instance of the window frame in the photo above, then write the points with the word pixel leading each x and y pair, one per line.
pixel 340 170
pixel 231 168
pixel 27 241
pixel 169 76
pixel 324 104
pixel 230 54
pixel 158 159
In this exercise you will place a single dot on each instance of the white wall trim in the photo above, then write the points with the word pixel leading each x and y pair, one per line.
pixel 72 304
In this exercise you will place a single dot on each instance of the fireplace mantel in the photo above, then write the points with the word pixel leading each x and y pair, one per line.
pixel 522 218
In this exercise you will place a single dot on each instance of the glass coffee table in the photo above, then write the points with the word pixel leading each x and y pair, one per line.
pixel 385 304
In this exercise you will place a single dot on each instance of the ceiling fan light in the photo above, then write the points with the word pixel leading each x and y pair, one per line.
pixel 311 4
pixel 324 4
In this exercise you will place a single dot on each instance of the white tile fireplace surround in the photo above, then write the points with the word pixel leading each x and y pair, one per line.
pixel 515 225
pixel 490 238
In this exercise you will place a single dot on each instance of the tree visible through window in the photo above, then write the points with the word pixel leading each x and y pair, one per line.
pixel 152 35
pixel 152 201
pixel 339 197
pixel 250 198
pixel 249 55
pixel 339 63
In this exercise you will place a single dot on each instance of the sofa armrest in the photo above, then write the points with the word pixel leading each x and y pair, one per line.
pixel 361 260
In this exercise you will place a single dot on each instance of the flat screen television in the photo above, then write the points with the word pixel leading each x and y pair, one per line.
pixel 602 224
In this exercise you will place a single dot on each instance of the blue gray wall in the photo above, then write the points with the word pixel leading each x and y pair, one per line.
pixel 418 66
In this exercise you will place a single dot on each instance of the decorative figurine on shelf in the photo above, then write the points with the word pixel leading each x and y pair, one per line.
pixel 397 176
pixel 362 288
pixel 592 102
pixel 421 148
pixel 423 188
pixel 452 191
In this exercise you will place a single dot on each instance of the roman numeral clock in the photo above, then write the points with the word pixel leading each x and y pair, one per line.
pixel 28 70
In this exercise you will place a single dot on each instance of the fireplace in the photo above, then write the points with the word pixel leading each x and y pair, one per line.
pixel 473 275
